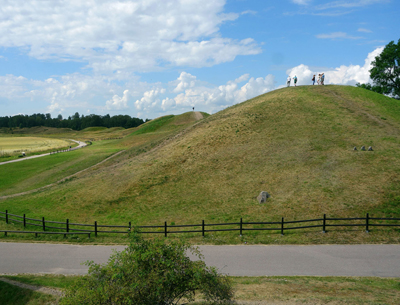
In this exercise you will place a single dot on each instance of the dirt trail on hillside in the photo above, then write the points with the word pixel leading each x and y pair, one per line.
pixel 198 115
pixel 62 180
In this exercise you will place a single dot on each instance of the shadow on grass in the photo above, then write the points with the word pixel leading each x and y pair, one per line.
pixel 13 295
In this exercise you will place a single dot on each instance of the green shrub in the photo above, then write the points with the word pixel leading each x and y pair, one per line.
pixel 150 272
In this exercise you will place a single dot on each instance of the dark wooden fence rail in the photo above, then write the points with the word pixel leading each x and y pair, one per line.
pixel 68 228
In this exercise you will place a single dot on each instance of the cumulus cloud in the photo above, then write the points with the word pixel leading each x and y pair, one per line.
pixel 186 80
pixel 149 100
pixel 343 75
pixel 12 86
pixel 117 102
pixel 214 98
pixel 140 35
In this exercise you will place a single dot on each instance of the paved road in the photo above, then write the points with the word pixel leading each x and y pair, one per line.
pixel 80 145
pixel 320 260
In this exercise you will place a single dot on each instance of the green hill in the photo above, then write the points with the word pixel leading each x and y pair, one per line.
pixel 295 143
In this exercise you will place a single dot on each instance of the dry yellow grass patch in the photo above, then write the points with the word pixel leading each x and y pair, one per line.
pixel 317 290
pixel 16 145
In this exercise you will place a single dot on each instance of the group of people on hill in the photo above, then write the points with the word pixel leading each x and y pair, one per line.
pixel 289 80
pixel 320 81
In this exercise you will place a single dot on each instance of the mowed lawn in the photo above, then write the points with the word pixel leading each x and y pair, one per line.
pixel 251 290
pixel 34 173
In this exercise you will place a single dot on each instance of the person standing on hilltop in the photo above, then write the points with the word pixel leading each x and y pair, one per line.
pixel 319 79
pixel 313 80
pixel 288 81
pixel 295 80
pixel 322 79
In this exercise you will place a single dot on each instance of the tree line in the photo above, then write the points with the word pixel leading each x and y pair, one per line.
pixel 75 122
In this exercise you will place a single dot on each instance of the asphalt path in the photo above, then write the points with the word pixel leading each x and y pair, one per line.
pixel 80 145
pixel 288 260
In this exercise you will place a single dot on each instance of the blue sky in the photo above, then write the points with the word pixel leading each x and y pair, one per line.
pixel 149 58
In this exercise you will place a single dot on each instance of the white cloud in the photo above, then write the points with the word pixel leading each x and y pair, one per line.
pixel 350 4
pixel 149 100
pixel 364 30
pixel 117 102
pixel 186 80
pixel 343 75
pixel 214 98
pixel 302 2
pixel 12 86
pixel 334 8
pixel 337 35
pixel 140 35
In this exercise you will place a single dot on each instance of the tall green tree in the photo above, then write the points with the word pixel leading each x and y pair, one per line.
pixel 385 71
pixel 150 272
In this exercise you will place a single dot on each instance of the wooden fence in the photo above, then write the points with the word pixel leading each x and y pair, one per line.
pixel 68 228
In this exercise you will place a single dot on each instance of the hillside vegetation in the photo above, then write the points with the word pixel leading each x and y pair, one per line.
pixel 295 143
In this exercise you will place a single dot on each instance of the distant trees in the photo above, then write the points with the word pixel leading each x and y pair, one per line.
pixel 385 71
pixel 75 122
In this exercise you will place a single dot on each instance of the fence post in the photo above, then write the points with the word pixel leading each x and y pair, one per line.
pixel 44 224
pixel 367 223
pixel 24 221
pixel 282 226
pixel 202 227
pixel 95 228
pixel 324 224
pixel 241 226
pixel 67 223
pixel 130 226
pixel 165 229
pixel 6 216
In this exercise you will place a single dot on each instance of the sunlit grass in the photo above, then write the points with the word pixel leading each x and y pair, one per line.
pixel 295 143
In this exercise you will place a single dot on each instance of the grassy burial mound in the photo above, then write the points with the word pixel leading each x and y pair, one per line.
pixel 32 174
pixel 295 143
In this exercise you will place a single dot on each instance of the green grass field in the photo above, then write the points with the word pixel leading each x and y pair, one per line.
pixel 259 290
pixel 295 143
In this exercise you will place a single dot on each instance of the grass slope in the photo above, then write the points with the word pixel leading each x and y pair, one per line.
pixel 295 143
pixel 35 173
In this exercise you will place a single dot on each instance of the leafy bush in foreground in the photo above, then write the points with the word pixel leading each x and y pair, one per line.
pixel 150 272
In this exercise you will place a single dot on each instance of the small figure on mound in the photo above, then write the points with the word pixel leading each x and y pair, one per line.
pixel 288 81
pixel 313 80
pixel 193 108
pixel 295 80
pixel 322 79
